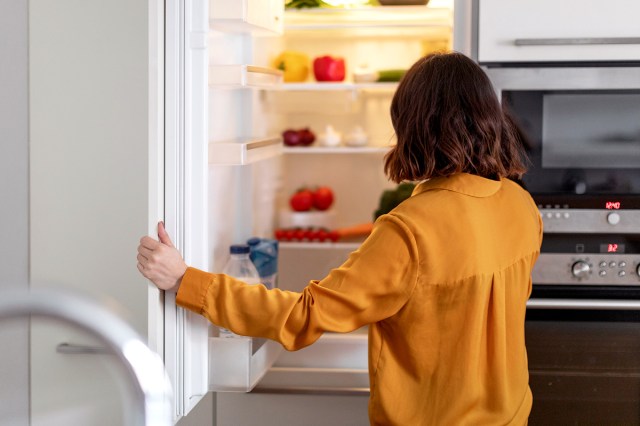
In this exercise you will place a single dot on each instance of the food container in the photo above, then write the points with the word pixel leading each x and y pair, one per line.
pixel 319 219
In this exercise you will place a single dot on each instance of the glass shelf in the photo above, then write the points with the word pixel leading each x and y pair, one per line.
pixel 436 14
pixel 335 87
pixel 319 150
pixel 243 76
pixel 289 245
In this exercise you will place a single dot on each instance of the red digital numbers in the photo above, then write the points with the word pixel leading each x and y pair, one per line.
pixel 612 248
pixel 612 205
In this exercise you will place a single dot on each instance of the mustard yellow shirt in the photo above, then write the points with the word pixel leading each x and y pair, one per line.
pixel 442 281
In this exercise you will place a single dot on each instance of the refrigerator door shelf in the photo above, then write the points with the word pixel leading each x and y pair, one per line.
pixel 335 364
pixel 243 76
pixel 239 152
pixel 257 17
pixel 238 363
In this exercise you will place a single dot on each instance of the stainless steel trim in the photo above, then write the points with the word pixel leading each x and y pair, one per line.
pixel 145 367
pixel 564 78
pixel 610 305
pixel 70 348
pixel 604 269
pixel 560 220
pixel 577 41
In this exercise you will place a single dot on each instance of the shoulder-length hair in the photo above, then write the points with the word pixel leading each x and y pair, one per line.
pixel 448 120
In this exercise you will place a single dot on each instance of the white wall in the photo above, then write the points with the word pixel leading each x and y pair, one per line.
pixel 14 207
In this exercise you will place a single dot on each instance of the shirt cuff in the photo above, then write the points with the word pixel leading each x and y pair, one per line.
pixel 193 289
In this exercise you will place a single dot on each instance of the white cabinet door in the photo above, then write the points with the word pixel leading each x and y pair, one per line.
pixel 94 187
pixel 558 31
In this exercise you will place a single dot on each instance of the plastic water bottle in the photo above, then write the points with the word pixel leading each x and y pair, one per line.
pixel 239 266
pixel 264 255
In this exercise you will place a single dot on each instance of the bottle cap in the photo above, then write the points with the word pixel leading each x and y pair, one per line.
pixel 253 241
pixel 239 249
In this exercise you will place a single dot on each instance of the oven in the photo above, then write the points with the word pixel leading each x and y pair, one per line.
pixel 581 130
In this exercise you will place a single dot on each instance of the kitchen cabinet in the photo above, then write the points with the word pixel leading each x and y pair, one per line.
pixel 551 31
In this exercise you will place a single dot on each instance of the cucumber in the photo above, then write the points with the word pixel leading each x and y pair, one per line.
pixel 390 75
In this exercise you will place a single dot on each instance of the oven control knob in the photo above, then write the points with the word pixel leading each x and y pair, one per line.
pixel 580 269
pixel 638 269
pixel 613 218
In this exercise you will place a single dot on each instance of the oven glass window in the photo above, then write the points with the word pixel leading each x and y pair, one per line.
pixel 584 367
pixel 579 142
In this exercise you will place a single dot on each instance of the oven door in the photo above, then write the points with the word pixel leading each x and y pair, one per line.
pixel 584 361
pixel 581 127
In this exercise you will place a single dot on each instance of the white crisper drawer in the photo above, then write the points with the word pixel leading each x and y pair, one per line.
pixel 558 31
pixel 238 363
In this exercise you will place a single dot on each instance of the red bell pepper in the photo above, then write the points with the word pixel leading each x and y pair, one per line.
pixel 327 68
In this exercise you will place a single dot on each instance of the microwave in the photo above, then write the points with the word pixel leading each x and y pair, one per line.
pixel 581 129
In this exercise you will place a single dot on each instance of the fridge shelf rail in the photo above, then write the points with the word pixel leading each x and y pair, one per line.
pixel 319 150
pixel 310 245
pixel 333 87
pixel 243 76
pixel 239 152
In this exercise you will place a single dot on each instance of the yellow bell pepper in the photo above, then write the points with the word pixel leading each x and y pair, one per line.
pixel 295 66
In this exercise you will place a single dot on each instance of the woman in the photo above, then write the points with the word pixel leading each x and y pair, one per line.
pixel 443 279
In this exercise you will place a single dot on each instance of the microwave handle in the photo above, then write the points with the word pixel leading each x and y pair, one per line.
pixel 578 41
pixel 587 304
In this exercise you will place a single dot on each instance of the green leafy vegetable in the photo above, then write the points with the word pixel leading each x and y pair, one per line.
pixel 390 198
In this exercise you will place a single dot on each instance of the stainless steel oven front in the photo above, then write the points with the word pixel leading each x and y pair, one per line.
pixel 581 127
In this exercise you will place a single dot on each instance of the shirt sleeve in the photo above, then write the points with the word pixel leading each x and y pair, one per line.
pixel 373 284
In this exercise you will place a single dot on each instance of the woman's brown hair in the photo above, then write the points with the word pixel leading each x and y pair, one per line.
pixel 448 120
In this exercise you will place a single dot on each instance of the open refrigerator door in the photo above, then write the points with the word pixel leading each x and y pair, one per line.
pixel 230 176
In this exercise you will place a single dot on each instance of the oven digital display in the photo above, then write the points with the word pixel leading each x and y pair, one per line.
pixel 612 205
pixel 612 248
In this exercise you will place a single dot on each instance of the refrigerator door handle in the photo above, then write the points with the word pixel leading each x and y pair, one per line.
pixel 575 41
pixel 145 368
pixel 71 348
pixel 588 304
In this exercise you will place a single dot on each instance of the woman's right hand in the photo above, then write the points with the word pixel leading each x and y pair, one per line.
pixel 160 261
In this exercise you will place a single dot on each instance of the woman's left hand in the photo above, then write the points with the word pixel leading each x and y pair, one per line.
pixel 160 261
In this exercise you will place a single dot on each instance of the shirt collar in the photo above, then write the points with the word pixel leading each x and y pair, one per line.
pixel 464 183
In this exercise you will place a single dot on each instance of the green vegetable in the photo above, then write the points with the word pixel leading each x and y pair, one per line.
pixel 390 198
pixel 391 75
pixel 299 4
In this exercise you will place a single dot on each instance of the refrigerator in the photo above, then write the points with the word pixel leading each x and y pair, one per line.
pixel 229 177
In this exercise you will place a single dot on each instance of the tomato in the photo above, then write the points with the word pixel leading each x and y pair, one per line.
pixel 334 236
pixel 301 201
pixel 322 235
pixel 322 198
pixel 308 234
pixel 289 234
pixel 279 234
pixel 298 234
